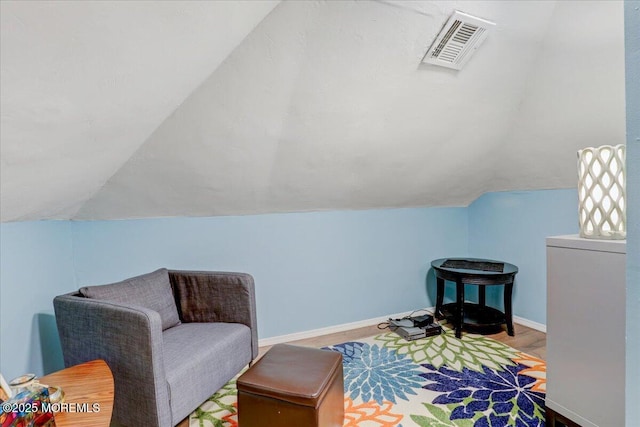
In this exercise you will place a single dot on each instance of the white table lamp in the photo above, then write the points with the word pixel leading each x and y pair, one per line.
pixel 602 193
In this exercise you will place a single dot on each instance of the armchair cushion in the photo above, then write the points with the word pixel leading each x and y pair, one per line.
pixel 152 291
pixel 199 358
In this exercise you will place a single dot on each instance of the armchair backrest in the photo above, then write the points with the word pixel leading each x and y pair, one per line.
pixel 216 296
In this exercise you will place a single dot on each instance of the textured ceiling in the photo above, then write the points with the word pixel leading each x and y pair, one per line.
pixel 124 110
pixel 84 84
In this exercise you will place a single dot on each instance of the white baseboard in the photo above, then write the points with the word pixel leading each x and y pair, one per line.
pixel 368 322
pixel 333 329
pixel 530 323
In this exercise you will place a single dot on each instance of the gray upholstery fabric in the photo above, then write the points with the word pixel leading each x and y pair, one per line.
pixel 129 339
pixel 205 296
pixel 152 291
pixel 200 358
pixel 162 376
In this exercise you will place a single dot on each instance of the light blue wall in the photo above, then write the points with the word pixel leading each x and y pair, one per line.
pixel 35 265
pixel 632 61
pixel 512 226
pixel 311 270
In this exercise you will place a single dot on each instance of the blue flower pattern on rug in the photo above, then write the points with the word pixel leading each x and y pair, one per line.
pixel 377 373
pixel 350 350
pixel 505 394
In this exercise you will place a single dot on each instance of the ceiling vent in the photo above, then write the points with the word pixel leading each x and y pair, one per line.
pixel 458 39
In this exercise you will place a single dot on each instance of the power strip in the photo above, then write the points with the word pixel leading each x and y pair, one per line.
pixel 408 328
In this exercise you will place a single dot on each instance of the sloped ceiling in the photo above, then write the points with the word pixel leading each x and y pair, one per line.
pixel 84 84
pixel 320 105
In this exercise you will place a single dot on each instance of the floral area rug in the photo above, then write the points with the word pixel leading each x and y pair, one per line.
pixel 436 381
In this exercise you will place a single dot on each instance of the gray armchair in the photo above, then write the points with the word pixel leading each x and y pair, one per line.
pixel 171 338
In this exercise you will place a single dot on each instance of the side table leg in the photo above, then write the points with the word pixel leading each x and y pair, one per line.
pixel 482 295
pixel 439 298
pixel 459 317
pixel 508 311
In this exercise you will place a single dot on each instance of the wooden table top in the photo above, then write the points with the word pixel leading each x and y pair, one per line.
pixel 88 394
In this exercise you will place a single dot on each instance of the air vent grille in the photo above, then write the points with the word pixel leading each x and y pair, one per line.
pixel 458 39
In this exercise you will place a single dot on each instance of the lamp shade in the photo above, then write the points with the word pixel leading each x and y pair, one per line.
pixel 602 192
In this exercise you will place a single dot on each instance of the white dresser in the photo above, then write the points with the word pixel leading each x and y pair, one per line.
pixel 586 330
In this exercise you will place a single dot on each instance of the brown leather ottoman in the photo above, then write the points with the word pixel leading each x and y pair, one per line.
pixel 292 386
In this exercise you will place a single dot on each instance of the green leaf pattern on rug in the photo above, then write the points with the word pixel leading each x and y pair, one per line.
pixel 470 351
pixel 217 406
pixel 439 417
pixel 203 416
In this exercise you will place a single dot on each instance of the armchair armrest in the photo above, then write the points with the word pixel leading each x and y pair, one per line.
pixel 205 296
pixel 129 339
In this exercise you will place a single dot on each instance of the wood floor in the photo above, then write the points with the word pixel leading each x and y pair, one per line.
pixel 526 339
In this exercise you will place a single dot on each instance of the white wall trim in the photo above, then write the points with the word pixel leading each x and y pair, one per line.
pixel 368 322
pixel 530 323
pixel 333 329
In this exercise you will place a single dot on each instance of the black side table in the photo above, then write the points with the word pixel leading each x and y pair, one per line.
pixel 474 271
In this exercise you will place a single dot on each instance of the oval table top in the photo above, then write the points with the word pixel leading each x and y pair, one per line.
pixel 474 270
pixel 88 394
pixel 475 265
